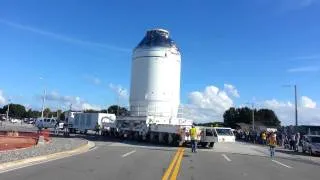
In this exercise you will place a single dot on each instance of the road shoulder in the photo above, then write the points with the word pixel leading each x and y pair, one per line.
pixel 9 166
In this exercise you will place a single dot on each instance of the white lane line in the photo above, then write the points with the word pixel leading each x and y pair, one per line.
pixel 281 164
pixel 127 154
pixel 226 157
pixel 92 149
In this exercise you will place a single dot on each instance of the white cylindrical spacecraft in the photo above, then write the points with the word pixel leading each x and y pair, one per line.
pixel 155 76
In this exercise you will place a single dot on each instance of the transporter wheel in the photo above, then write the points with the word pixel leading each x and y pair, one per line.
pixel 156 138
pixel 211 145
pixel 176 140
pixel 166 138
pixel 136 136
pixel 203 144
pixel 147 138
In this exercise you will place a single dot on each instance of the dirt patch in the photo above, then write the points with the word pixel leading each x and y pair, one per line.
pixel 16 142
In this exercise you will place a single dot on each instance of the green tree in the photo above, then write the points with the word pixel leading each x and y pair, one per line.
pixel 32 114
pixel 15 110
pixel 47 112
pixel 91 111
pixel 117 110
pixel 104 111
pixel 62 116
pixel 211 124
pixel 267 117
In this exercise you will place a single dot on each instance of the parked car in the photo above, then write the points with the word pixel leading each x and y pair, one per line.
pixel 15 120
pixel 311 144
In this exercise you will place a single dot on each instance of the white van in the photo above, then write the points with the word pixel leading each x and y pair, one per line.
pixel 46 122
pixel 223 134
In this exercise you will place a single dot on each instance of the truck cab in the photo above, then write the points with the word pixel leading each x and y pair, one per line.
pixel 207 138
pixel 223 134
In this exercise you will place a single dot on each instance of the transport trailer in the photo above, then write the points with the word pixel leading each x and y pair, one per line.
pixel 89 121
pixel 144 128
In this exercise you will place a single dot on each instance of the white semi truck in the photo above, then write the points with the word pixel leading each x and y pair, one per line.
pixel 88 121
pixel 69 119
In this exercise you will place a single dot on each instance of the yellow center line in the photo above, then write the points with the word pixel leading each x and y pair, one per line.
pixel 177 167
pixel 171 165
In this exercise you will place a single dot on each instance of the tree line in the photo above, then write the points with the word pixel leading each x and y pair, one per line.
pixel 266 117
pixel 231 117
pixel 18 111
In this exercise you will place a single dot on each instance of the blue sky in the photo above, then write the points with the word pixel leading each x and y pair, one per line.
pixel 83 49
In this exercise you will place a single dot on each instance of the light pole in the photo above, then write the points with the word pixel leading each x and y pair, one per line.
pixel 44 98
pixel 43 101
pixel 295 102
pixel 9 101
pixel 252 105
pixel 118 101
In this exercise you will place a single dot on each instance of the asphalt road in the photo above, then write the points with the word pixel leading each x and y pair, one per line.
pixel 124 161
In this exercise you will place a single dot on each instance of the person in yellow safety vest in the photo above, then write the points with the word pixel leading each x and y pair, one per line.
pixel 193 136
pixel 264 138
pixel 272 143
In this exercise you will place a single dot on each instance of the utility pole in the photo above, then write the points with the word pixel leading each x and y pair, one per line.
pixel 8 109
pixel 252 116
pixel 252 123
pixel 43 101
pixel 118 102
pixel 58 111
pixel 296 104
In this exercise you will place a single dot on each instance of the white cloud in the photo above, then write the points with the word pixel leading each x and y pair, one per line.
pixel 85 106
pixel 62 37
pixel 119 90
pixel 65 101
pixel 277 104
pixel 307 102
pixel 230 89
pixel 2 98
pixel 208 105
pixel 304 69
pixel 93 79
pixel 285 111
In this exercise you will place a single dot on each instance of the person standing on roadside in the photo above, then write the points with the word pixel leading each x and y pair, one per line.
pixel 264 138
pixel 272 144
pixel 293 142
pixel 193 136
pixel 297 142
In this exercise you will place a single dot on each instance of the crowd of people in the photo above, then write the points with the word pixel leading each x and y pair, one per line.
pixel 284 139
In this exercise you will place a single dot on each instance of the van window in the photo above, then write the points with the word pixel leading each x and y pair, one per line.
pixel 224 132
pixel 53 121
pixel 209 132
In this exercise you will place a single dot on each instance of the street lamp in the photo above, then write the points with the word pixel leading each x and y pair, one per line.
pixel 43 101
pixel 118 101
pixel 295 101
pixel 44 98
pixel 252 105
pixel 9 101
